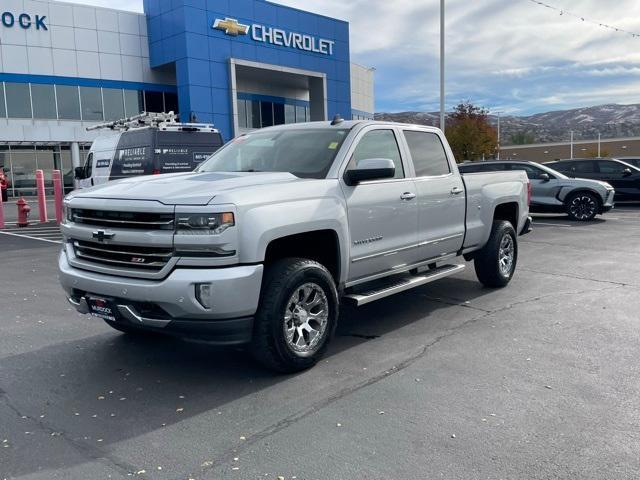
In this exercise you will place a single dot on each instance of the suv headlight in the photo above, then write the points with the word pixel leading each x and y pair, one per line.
pixel 203 223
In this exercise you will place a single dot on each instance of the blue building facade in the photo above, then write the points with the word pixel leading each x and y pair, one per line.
pixel 203 41
pixel 239 64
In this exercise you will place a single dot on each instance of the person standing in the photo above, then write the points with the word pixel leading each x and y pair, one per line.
pixel 4 186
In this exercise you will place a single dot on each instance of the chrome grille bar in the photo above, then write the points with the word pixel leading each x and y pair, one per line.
pixel 135 257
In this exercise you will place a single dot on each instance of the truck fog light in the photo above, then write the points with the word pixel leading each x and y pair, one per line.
pixel 204 295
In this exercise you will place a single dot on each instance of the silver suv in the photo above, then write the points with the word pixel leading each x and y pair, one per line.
pixel 554 192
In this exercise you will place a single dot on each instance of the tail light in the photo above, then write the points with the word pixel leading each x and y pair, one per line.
pixel 529 193
pixel 156 171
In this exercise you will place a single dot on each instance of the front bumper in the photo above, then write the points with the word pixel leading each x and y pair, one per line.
pixel 170 305
pixel 609 202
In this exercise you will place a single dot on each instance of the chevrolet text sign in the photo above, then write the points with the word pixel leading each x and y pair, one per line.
pixel 276 36
pixel 23 20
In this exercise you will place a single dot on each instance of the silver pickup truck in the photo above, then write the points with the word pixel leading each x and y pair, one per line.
pixel 260 244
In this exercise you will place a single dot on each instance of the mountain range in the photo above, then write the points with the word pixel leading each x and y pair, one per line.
pixel 611 121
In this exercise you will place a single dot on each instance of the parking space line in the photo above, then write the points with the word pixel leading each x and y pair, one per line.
pixel 2 232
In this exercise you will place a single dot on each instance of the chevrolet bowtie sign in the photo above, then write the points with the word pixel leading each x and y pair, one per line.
pixel 275 36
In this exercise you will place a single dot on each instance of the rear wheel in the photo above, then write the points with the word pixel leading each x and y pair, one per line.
pixel 496 263
pixel 582 206
pixel 296 317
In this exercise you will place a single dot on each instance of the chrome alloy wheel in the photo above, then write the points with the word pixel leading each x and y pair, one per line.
pixel 306 318
pixel 583 207
pixel 506 255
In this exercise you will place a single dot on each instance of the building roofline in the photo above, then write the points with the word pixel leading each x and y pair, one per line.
pixel 97 7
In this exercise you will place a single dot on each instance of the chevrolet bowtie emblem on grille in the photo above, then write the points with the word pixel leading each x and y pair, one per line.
pixel 101 235
pixel 230 26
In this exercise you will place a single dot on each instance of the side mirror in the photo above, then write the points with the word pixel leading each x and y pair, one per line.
pixel 370 169
pixel 79 173
pixel 627 172
pixel 544 177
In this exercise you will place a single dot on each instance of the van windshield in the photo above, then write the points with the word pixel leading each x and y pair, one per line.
pixel 305 153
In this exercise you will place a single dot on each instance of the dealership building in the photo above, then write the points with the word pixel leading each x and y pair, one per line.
pixel 239 64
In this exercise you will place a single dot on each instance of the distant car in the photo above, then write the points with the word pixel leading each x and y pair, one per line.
pixel 624 177
pixel 635 161
pixel 554 192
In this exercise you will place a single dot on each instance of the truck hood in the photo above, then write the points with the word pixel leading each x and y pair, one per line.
pixel 183 188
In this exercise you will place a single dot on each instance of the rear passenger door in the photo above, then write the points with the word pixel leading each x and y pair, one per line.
pixel 441 196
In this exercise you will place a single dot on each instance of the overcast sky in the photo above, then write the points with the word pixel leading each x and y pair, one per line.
pixel 507 55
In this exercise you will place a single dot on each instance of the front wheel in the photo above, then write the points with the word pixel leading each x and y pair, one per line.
pixel 582 207
pixel 296 317
pixel 496 263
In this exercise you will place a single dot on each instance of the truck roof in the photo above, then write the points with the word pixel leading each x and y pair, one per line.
pixel 348 124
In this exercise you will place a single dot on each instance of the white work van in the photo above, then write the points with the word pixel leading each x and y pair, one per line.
pixel 149 144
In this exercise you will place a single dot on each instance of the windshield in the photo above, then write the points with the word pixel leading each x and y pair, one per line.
pixel 305 153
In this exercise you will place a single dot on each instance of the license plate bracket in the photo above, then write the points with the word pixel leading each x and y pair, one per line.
pixel 102 307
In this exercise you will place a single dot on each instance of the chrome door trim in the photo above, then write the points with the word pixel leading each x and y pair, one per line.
pixel 440 240
pixel 408 247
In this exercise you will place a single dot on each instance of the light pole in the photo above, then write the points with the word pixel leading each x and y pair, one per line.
pixel 571 144
pixel 442 64
pixel 498 113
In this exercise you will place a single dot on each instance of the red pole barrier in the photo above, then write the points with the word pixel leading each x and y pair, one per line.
pixel 42 199
pixel 57 193
pixel 1 212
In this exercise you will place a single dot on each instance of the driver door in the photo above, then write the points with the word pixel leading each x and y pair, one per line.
pixel 382 214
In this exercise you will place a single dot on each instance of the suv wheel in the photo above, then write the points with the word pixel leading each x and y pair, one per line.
pixel 582 207
pixel 496 263
pixel 296 317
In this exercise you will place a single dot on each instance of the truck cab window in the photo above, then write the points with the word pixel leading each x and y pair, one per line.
pixel 378 144
pixel 427 152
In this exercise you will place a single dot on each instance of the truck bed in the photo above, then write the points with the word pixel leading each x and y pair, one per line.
pixel 484 190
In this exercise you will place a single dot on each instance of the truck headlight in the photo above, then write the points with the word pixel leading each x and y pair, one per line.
pixel 204 223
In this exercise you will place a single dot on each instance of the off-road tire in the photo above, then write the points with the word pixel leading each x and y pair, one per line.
pixel 281 279
pixel 487 260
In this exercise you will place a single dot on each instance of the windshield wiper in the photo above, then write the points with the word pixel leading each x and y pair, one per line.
pixel 250 170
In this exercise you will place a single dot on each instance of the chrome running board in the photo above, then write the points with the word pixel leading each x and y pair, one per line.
pixel 402 284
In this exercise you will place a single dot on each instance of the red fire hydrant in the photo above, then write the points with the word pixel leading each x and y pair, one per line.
pixel 23 212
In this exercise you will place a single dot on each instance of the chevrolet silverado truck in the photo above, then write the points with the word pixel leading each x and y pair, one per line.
pixel 262 243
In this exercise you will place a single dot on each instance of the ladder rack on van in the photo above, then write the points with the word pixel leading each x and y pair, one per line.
pixel 162 121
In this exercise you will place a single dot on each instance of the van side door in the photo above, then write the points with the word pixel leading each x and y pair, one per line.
pixel 441 195
pixel 382 214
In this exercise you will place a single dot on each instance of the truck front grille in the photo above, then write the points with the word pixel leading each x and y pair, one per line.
pixel 132 220
pixel 150 259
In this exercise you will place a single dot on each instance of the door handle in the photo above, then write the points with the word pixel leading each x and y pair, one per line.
pixel 456 191
pixel 407 196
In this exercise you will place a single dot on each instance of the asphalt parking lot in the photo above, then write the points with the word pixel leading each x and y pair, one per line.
pixel 539 380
